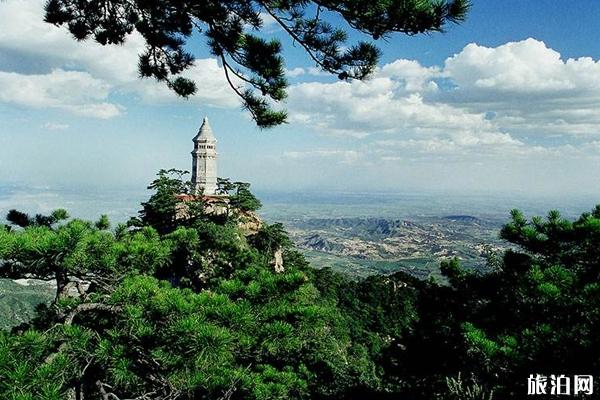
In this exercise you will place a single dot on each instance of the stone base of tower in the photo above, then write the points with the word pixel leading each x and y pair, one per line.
pixel 213 204
pixel 218 205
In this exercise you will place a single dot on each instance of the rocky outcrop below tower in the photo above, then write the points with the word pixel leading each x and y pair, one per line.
pixel 249 222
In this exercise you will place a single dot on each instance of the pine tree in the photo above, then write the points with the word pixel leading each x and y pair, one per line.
pixel 233 32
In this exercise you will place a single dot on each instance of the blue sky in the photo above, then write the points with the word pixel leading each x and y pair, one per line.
pixel 508 101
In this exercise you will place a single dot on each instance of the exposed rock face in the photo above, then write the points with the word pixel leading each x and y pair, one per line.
pixel 320 243
pixel 250 223
pixel 215 205
pixel 278 261
pixel 51 284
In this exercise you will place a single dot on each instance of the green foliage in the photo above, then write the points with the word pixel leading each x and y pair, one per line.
pixel 73 249
pixel 535 311
pixel 234 32
pixel 195 310
pixel 103 223
pixel 160 211
pixel 24 220
pixel 242 199
pixel 224 186
pixel 25 371
pixel 460 389
pixel 270 238
pixel 142 252
pixel 60 215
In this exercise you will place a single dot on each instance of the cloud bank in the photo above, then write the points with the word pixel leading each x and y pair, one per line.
pixel 483 100
pixel 45 67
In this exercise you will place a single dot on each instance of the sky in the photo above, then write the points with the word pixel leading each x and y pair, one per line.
pixel 507 102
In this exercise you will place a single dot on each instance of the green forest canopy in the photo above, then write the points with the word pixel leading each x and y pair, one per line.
pixel 197 311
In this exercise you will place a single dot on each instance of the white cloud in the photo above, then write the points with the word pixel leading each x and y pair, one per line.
pixel 528 86
pixel 210 82
pixel 528 66
pixel 113 68
pixel 25 32
pixel 314 71
pixel 413 76
pixel 481 101
pixel 343 156
pixel 77 92
pixel 504 101
pixel 295 72
pixel 55 126
pixel 310 71
pixel 382 104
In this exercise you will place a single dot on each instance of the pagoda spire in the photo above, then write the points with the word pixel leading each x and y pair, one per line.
pixel 205 132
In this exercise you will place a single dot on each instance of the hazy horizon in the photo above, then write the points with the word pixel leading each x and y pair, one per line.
pixel 121 203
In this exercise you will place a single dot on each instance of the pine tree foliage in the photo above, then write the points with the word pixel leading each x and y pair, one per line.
pixel 23 220
pixel 537 310
pixel 253 64
pixel 198 311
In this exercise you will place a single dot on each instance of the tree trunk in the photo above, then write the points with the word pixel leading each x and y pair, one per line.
pixel 60 284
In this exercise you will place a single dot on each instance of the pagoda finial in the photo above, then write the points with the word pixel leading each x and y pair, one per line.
pixel 205 132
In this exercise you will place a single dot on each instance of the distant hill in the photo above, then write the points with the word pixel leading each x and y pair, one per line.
pixel 320 243
pixel 463 218
pixel 361 246
pixel 19 300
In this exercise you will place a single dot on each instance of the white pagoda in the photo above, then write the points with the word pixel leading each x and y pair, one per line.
pixel 204 161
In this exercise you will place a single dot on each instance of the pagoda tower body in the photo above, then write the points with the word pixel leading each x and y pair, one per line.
pixel 204 160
